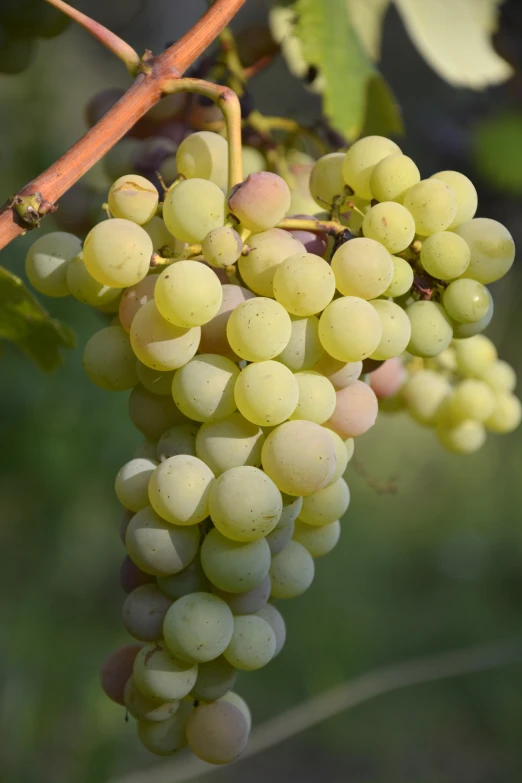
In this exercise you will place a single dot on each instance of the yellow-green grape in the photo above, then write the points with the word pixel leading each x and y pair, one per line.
pixel 84 287
pixel 431 329
pixel 500 376
pixel 47 261
pixel 466 437
pixel 267 250
pixel 158 343
pixel 177 440
pixel 193 208
pixel 222 246
pixel 198 627
pixel 253 643
pixel 350 329
pixel 215 679
pixel 179 490
pixel 188 294
pixel 161 236
pixel 253 160
pixel 153 414
pixel 135 297
pixel 396 330
pixel 316 397
pixel 391 224
pixel 167 737
pixel 355 411
pixel 326 179
pixel 402 279
pixel 466 301
pixel 299 456
pixel 475 354
pixel 245 504
pixel 463 330
pixel 282 533
pixel 363 268
pixel 357 213
pixel 325 506
pixel 143 612
pixel 361 159
pixel 292 571
pixel 445 255
pixel 230 443
pixel 342 454
pixel 234 566
pixel 266 393
pixel 214 333
pixel 432 204
pixel 259 329
pixel 506 415
pixel 340 374
pixel 159 675
pixel 304 284
pixel 261 201
pixel 143 708
pixel 319 541
pixel 117 253
pixel 392 177
pixel 304 348
pixel 155 381
pixel 157 547
pixel 465 192
pixel 472 399
pixel 109 361
pixel 133 197
pixel 275 619
pixel 205 155
pixel 492 249
pixel 132 483
pixel 217 732
pixel 424 392
pixel 204 388
pixel 250 601
pixel 191 580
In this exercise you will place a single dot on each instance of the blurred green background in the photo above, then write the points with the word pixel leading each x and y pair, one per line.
pixel 435 566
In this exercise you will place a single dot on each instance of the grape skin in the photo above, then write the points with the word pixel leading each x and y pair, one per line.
pixel 198 627
pixel 363 268
pixel 392 177
pixel 475 354
pixel 214 332
pixel 116 670
pixel 245 504
pixel 230 443
pixel 472 399
pixel 292 571
pixel 465 193
pixel 319 541
pixel 84 287
pixel 204 388
pixel 261 201
pixel 109 361
pixel 402 279
pixel 179 490
pixel 233 566
pixel 215 679
pixel 466 301
pixel 500 376
pixel 282 533
pixel 259 329
pixel 153 414
pixel 445 255
pixel 340 374
pixel 180 439
pixel 388 379
pixel 326 179
pixel 304 348
pixel 304 284
pixel 252 645
pixel 491 246
pixel 275 619
pixel 143 612
pixel 155 381
pixel 268 249
pixel 168 736
pixel 506 416
pixel 203 155
pixel 131 576
pixel 432 204
pixel 355 411
pixel 316 397
pixel 117 253
pixel 161 676
pixel 193 208
pixel 188 294
pixel 221 247
pixel 350 329
pixel 431 329
pixel 325 506
pixel 157 547
pixel 424 393
pixel 217 732
pixel 250 601
pixel 143 708
pixel 191 579
pixel 47 261
pixel 361 159
pixel 266 393
pixel 134 198
pixel 396 330
pixel 159 344
pixel 132 482
pixel 135 297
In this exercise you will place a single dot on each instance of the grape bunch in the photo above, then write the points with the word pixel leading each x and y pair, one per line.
pixel 22 22
pixel 255 350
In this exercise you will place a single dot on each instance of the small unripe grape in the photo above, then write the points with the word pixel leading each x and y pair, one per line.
pixel 326 179
pixel 402 279
pixel 261 201
pixel 133 198
pixel 222 247
pixel 361 159
pixel 392 177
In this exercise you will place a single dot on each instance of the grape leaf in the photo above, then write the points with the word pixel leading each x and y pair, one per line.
pixel 24 321
pixel 367 18
pixel 497 152
pixel 383 113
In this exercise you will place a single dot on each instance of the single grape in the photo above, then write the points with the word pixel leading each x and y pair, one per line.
pixel 167 737
pixel 230 443
pixel 204 388
pixel 475 354
pixel 465 437
pixel 253 643
pixel 361 159
pixel 84 287
pixel 191 580
pixel 319 541
pixel 244 504
pixel 275 619
pixel 362 268
pixel 215 679
pixel 109 361
pixel 431 329
pixel 424 392
pixel 193 208
pixel 388 379
pixel 134 298
pixel 507 414
pixel 198 627
pixel 153 414
pixel 158 674
pixel 179 490
pixel 326 179
pixel 432 204
pixel 221 246
pixel 117 253
pixel 145 709
pixel 131 576
pixel 157 547
pixel 217 732
pixel 177 440
pixel 325 506
pixel 133 198
pixel 155 381
pixel 445 255
pixel 500 376
pixel 340 374
pixel 233 566
pixel 143 612
pixel 250 601
pixel 266 251
pixel 266 393
pixel 396 330
pixel 402 279
pixel 392 177
pixel 472 399
pixel 214 333
pixel 203 155
pixel 316 397
pixel 188 294
pixel 355 411
pixel 304 284
pixel 292 571
pixel 283 531
pixel 350 329
pixel 47 261
pixel 466 301
pixel 116 670
pixel 145 450
pixel 391 224
pixel 159 344
pixel 464 330
pixel 492 249
pixel 132 481
pixel 304 348
pixel 261 201
pixel 259 329
pixel 465 193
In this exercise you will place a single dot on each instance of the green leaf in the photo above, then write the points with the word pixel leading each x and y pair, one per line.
pixel 367 18
pixel 383 113
pixel 497 151
pixel 24 321
pixel 454 37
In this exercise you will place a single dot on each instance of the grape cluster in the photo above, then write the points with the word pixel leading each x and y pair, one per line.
pixel 253 363
pixel 22 22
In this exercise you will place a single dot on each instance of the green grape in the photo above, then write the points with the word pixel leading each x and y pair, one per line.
pixel 134 298
pixel 159 344
pixel 191 580
pixel 16 54
pixel 198 627
pixel 251 600
pixel 340 374
pixel 155 381
pixel 143 708
pixel 84 287
pixel 215 679
pixel 391 224
pixel 341 453
pixel 143 612
pixel 233 566
pixel 492 249
pixel 134 198
pixel 466 301
pixel 283 531
pixel 108 359
pixel 472 399
pixel 153 414
pixel 253 160
pixel 355 411
pixel 316 397
pixel 361 159
pixel 252 645
pixel 402 279
pixel 465 193
pixel 326 179
pixel 500 376
pixel 160 675
pixel 464 330
pixel 431 329
pixel 466 437
pixel 324 507
pixel 222 246
pixel 259 329
pixel 424 392
pixel 266 393
pixel 157 547
pixel 117 253
pixel 161 236
pixel 475 354
pixel 445 255
pixel 299 456
pixel 116 670
pixel 267 250
pixel 217 732
pixel 167 737
pixel 432 204
pixel 204 388
pixel 392 177
pixel 214 333
pixel 396 330
pixel 146 450
pixel 319 541
pixel 204 155
pixel 275 619
pixel 292 571
pixel 179 489
pixel 362 268
pixel 507 414
pixel 230 443
pixel 261 201
pixel 245 504
pixel 188 294
pixel 304 348
pixel 177 440
pixel 387 380
pixel 47 261
pixel 193 208
pixel 350 329
pixel 304 284
pixel 132 482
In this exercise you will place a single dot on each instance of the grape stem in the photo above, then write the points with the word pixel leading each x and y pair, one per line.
pixel 331 227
